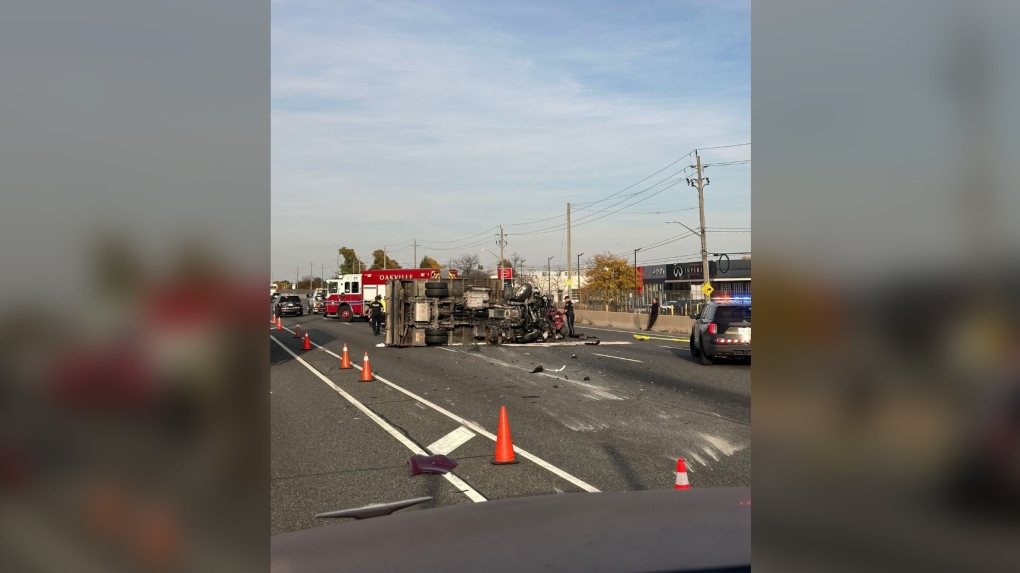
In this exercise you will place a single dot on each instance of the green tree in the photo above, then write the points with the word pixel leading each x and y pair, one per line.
pixel 609 277
pixel 352 264
pixel 428 262
pixel 378 258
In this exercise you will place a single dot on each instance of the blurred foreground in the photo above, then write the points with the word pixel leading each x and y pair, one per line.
pixel 887 362
pixel 133 434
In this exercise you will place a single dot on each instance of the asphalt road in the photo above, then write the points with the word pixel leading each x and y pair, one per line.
pixel 611 417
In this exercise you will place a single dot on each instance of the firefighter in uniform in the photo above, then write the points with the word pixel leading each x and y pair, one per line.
pixel 376 311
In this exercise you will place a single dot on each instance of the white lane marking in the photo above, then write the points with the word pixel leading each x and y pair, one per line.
pixel 456 481
pixel 617 357
pixel 451 441
pixel 676 348
pixel 480 430
pixel 561 343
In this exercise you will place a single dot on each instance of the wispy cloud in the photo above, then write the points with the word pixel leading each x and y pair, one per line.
pixel 453 118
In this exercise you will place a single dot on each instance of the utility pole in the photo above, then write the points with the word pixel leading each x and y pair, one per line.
pixel 568 249
pixel 701 209
pixel 297 271
pixel 311 274
pixel 502 243
pixel 415 261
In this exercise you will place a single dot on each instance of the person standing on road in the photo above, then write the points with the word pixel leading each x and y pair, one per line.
pixel 375 313
pixel 653 313
pixel 568 309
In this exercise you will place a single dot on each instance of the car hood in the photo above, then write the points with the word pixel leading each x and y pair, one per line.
pixel 657 530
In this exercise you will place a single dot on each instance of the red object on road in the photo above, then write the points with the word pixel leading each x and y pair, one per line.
pixel 307 345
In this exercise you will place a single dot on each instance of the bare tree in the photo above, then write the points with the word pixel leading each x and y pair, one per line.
pixel 469 266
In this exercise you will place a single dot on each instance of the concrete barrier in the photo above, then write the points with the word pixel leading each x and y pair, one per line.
pixel 632 321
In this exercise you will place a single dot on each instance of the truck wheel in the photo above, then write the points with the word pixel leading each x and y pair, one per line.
pixel 345 314
pixel 437 292
pixel 435 336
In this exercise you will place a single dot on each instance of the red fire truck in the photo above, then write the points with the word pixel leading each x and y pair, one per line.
pixel 348 296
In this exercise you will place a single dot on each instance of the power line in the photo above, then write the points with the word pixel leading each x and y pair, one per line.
pixel 721 147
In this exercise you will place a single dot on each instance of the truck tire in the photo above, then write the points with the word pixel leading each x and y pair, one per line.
pixel 345 313
pixel 437 292
pixel 435 284
pixel 435 336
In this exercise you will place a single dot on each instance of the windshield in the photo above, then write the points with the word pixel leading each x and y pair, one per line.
pixel 477 359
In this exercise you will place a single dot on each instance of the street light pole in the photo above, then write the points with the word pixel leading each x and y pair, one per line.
pixel 548 275
pixel 579 273
pixel 636 277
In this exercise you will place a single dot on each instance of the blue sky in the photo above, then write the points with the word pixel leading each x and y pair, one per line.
pixel 440 121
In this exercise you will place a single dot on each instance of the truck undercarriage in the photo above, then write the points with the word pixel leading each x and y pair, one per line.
pixel 455 310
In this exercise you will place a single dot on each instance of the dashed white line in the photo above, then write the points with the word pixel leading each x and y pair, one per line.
pixel 456 481
pixel 617 357
pixel 451 441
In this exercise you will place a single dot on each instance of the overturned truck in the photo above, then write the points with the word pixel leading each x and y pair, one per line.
pixel 463 311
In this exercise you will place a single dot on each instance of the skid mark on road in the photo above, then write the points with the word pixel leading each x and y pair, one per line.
pixel 576 424
pixel 722 446
pixel 595 392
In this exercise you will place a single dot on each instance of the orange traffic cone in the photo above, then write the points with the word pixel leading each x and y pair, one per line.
pixel 366 370
pixel 681 475
pixel 297 331
pixel 345 359
pixel 504 445
pixel 279 324
pixel 307 345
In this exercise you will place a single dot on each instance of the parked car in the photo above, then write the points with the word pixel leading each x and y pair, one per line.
pixel 290 304
pixel 723 329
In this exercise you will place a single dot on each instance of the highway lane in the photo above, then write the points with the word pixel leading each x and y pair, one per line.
pixel 327 455
pixel 644 404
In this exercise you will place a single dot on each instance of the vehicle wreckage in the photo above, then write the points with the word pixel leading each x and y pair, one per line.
pixel 459 310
